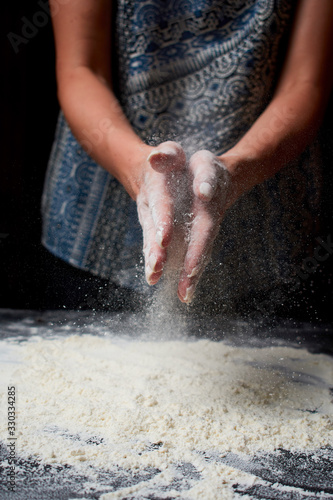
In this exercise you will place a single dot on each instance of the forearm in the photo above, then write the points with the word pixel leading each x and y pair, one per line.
pixel 277 137
pixel 292 118
pixel 99 124
pixel 82 30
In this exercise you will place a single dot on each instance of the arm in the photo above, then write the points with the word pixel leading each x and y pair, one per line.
pixel 293 117
pixel 277 137
pixel 83 54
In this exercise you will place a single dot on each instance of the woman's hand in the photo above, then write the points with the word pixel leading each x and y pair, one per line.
pixel 161 182
pixel 211 186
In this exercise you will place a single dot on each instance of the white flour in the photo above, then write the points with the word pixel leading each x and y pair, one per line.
pixel 158 404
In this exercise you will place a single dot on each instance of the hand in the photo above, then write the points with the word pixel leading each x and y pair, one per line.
pixel 211 189
pixel 163 173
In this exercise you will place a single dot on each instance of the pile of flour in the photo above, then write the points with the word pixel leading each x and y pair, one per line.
pixel 104 402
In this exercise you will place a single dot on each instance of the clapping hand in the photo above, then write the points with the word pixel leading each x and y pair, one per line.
pixel 197 190
pixel 209 186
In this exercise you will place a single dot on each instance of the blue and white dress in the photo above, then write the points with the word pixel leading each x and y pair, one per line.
pixel 199 72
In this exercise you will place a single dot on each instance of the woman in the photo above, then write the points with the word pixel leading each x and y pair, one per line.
pixel 193 109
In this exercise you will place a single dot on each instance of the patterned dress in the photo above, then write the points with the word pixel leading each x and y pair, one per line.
pixel 199 72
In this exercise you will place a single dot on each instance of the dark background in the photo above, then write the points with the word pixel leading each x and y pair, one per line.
pixel 29 276
pixel 28 121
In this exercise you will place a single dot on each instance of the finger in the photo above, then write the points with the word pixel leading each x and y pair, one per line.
pixel 187 288
pixel 161 206
pixel 167 157
pixel 207 171
pixel 151 277
pixel 155 257
pixel 202 235
pixel 167 161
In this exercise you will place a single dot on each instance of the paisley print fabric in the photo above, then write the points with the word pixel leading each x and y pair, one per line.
pixel 198 72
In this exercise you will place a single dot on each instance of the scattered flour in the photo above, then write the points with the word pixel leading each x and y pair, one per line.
pixel 157 404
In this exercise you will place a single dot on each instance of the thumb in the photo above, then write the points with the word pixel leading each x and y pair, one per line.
pixel 208 174
pixel 167 157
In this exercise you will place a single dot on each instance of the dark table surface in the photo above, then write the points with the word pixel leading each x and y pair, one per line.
pixel 280 475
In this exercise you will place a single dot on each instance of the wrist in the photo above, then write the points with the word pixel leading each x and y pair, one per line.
pixel 127 164
pixel 242 175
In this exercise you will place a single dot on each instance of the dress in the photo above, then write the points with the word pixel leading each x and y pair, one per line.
pixel 199 72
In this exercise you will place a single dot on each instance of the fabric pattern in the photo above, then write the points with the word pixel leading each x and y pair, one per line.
pixel 198 72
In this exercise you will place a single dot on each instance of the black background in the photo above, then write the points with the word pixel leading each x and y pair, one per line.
pixel 29 276
pixel 29 117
